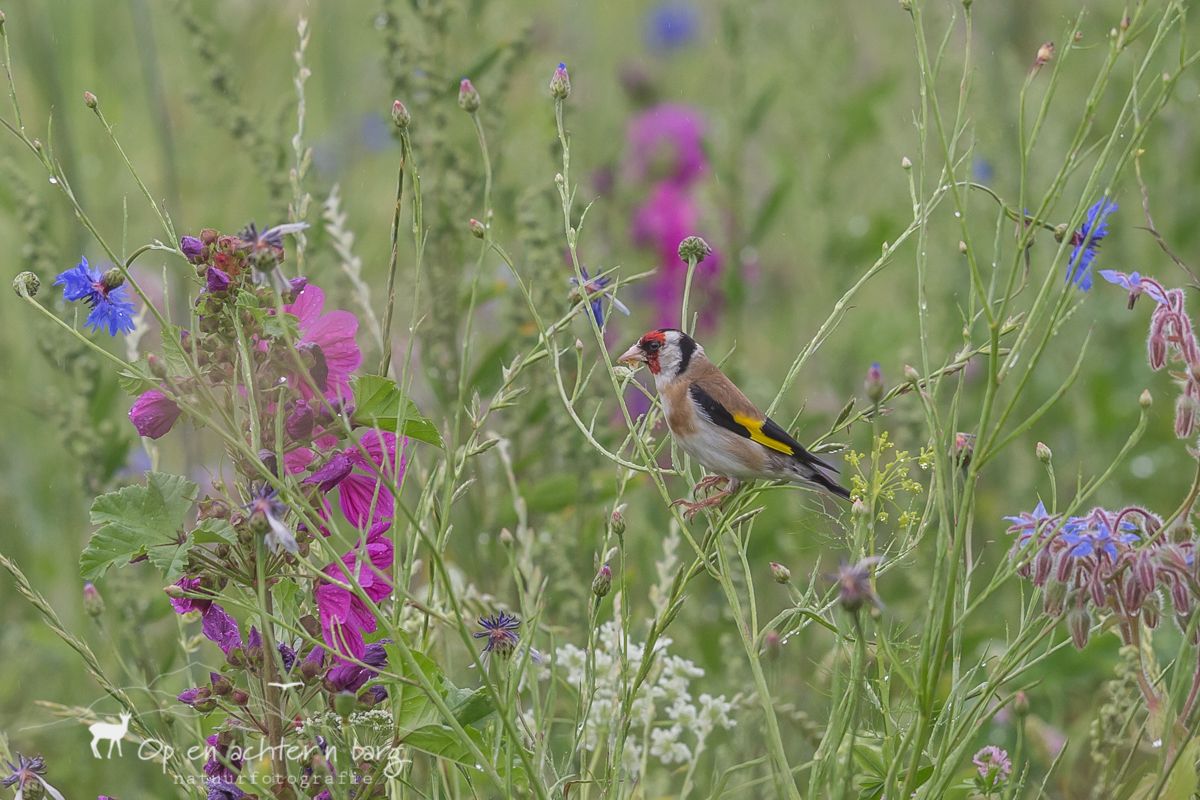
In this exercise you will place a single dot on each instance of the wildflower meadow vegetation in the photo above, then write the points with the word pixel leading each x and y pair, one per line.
pixel 322 478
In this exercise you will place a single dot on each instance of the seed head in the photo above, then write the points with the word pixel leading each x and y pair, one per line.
pixel 693 249
pixel 26 284
pixel 468 98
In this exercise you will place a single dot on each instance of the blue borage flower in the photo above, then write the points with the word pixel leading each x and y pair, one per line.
pixel 1136 285
pixel 1092 535
pixel 501 633
pixel 105 294
pixel 1086 241
pixel 1028 523
pixel 594 285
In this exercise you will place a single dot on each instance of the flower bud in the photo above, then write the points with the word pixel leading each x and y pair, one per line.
pixel 400 116
pixel 1020 705
pixel 873 385
pixel 1079 623
pixel 906 163
pixel 300 422
pixel 693 249
pixel 1181 597
pixel 560 83
pixel 1054 598
pixel 780 573
pixel 221 685
pixel 859 508
pixel 506 537
pixel 93 603
pixel 345 703
pixel 911 375
pixel 1132 596
pixel 602 582
pixel 1044 54
pixel 1043 563
pixel 1152 610
pixel 964 448
pixel 239 697
pixel 617 521
pixel 192 248
pixel 1144 571
pixel 26 284
pixel 962 247
pixel 113 278
pixel 477 229
pixel 468 98
pixel 1043 453
pixel 90 100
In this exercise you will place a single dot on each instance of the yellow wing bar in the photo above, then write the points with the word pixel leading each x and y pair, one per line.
pixel 755 427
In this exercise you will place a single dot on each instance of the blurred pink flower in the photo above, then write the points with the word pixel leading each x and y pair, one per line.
pixel 666 218
pixel 344 615
pixel 666 142
pixel 328 340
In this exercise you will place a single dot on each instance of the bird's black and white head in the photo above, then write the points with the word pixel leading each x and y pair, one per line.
pixel 666 352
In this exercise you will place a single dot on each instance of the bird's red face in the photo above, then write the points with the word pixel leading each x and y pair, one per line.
pixel 646 351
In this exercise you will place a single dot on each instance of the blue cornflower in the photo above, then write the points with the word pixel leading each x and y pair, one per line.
pixel 1028 523
pixel 1088 536
pixel 500 632
pixel 671 25
pixel 592 286
pixel 1085 242
pixel 104 292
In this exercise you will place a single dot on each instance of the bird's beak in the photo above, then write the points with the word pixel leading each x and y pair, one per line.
pixel 633 356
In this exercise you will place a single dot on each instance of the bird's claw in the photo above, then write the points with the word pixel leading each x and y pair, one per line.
pixel 708 483
pixel 691 509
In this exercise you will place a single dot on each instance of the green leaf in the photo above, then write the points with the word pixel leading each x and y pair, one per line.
pixel 443 742
pixel 140 521
pixel 470 705
pixel 215 531
pixel 379 403
pixel 414 709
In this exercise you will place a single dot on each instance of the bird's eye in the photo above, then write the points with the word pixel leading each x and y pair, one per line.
pixel 653 345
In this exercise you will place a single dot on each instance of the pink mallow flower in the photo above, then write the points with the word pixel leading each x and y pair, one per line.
pixel 328 339
pixel 344 616
pixel 666 142
pixel 361 480
pixel 153 414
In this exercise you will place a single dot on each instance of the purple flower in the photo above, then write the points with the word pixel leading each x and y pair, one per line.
pixel 593 286
pixel 216 280
pixel 501 633
pixel 287 656
pixel 667 142
pixel 219 766
pixel 350 677
pixel 1092 535
pixel 223 790
pixel 183 605
pixel 105 294
pixel 993 764
pixel 671 25
pixel 1085 242
pixel 335 470
pixel 300 421
pixel 153 414
pixel 344 616
pixel 26 774
pixel 221 629
pixel 1136 285
pixel 191 247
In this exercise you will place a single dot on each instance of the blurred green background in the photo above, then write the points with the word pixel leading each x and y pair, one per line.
pixel 809 109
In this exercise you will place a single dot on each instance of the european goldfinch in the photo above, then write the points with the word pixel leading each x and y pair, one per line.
pixel 717 425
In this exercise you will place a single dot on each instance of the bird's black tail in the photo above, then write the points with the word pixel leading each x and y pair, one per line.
pixel 829 484
pixel 813 468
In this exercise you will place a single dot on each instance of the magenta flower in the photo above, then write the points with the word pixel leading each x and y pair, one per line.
pixel 344 616
pixel 666 142
pixel 361 480
pixel 327 340
pixel 153 414
pixel 183 605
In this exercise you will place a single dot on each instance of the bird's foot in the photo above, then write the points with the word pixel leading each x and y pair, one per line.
pixel 712 481
pixel 691 509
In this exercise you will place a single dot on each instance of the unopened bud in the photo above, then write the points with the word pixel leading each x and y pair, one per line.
pixel 1145 399
pixel 506 537
pixel 964 448
pixel 468 98
pixel 873 385
pixel 158 367
pixel 400 116
pixel 602 582
pixel 1060 232
pixel 113 278
pixel 962 247
pixel 693 249
pixel 906 163
pixel 560 83
pixel 1079 623
pixel 617 521
pixel 93 603
pixel 1020 705
pixel 780 573
pixel 221 685
pixel 1043 453
pixel 239 697
pixel 911 375
pixel 1044 54
pixel 477 229
pixel 345 703
pixel 90 100
pixel 859 508
pixel 26 284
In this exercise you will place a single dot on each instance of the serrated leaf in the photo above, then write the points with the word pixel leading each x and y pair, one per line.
pixel 379 403
pixel 413 707
pixel 139 521
pixel 470 705
pixel 215 531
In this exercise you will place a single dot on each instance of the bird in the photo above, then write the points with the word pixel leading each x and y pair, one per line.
pixel 717 425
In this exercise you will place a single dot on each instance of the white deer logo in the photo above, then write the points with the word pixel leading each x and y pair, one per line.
pixel 111 732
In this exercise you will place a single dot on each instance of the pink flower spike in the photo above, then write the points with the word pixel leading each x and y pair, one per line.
pixel 153 414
